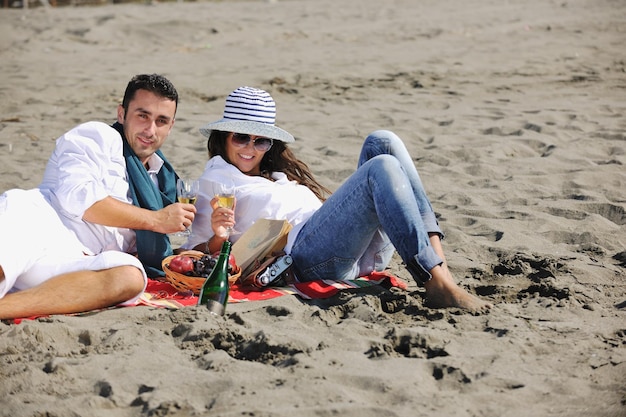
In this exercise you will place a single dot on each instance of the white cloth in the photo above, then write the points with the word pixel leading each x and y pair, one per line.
pixel 36 246
pixel 86 166
pixel 257 198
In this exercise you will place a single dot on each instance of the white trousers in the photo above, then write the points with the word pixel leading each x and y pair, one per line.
pixel 35 245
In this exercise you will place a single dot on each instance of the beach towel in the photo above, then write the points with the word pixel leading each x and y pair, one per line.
pixel 163 294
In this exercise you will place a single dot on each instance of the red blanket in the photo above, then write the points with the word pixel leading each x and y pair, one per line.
pixel 162 294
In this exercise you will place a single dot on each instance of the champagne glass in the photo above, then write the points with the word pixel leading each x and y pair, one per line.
pixel 226 199
pixel 187 192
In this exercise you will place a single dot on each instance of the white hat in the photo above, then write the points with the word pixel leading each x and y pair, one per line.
pixel 251 111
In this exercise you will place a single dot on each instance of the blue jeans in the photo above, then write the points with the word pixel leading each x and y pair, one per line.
pixel 381 207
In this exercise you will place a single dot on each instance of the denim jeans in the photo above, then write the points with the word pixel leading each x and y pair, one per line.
pixel 381 207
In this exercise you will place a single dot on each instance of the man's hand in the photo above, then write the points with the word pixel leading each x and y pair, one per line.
pixel 111 212
pixel 176 217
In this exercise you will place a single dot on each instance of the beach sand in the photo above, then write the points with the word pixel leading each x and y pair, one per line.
pixel 515 113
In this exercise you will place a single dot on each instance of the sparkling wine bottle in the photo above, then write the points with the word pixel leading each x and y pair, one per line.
pixel 214 292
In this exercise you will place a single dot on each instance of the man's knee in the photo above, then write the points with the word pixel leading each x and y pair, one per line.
pixel 128 280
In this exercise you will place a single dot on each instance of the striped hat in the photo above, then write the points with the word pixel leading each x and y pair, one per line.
pixel 251 111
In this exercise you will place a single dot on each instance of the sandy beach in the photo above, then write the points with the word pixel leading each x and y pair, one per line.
pixel 515 114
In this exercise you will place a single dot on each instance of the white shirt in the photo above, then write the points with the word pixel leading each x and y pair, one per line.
pixel 257 198
pixel 86 166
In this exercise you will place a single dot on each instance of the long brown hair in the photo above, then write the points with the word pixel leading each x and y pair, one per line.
pixel 278 159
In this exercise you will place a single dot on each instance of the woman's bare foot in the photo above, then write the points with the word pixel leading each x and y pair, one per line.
pixel 442 292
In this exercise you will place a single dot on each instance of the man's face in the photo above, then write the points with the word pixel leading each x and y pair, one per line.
pixel 147 123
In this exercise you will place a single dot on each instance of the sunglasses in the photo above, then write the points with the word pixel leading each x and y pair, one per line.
pixel 260 144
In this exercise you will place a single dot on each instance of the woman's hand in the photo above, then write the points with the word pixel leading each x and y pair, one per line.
pixel 222 218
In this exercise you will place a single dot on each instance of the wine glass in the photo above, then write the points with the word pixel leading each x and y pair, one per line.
pixel 187 192
pixel 226 199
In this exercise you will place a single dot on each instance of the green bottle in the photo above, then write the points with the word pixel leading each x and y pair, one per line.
pixel 214 292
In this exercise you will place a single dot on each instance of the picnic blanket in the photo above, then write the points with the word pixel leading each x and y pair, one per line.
pixel 163 294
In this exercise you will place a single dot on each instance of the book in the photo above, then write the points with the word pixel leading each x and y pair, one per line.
pixel 262 239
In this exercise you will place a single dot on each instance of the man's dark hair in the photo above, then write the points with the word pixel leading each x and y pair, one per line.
pixel 154 83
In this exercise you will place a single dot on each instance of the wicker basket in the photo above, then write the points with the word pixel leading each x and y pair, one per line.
pixel 183 282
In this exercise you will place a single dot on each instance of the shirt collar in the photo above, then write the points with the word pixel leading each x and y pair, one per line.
pixel 155 163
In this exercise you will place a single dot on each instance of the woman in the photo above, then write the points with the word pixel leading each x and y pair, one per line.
pixel 380 208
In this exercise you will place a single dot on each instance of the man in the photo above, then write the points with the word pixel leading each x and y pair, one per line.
pixel 106 190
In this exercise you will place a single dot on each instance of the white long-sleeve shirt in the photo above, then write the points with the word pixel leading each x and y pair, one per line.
pixel 86 166
pixel 257 198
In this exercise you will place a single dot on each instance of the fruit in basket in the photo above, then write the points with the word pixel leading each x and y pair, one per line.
pixel 181 264
pixel 232 263
pixel 202 267
pixel 192 266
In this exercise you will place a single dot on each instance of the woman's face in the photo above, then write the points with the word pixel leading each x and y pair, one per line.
pixel 246 151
